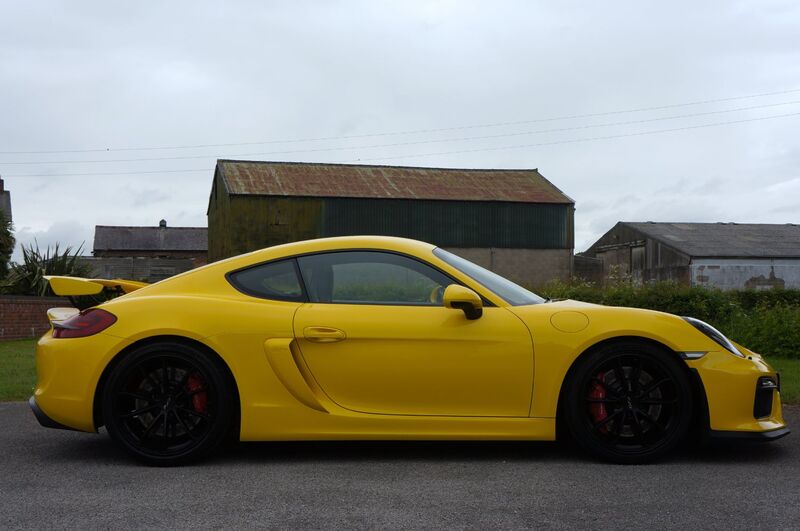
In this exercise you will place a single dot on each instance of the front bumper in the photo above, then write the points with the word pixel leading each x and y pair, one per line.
pixel 749 436
pixel 738 405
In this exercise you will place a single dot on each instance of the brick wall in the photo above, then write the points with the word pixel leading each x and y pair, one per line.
pixel 26 317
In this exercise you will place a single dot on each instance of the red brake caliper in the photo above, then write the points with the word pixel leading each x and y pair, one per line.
pixel 199 400
pixel 598 409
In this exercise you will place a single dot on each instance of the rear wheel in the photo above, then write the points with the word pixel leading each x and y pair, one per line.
pixel 168 403
pixel 628 402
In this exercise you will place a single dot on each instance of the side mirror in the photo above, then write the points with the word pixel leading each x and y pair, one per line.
pixel 461 298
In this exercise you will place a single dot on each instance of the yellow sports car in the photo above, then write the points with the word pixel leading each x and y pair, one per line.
pixel 386 338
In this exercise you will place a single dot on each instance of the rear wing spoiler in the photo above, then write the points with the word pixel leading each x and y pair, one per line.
pixel 76 286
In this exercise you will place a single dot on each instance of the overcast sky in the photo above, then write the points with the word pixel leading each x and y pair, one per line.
pixel 112 76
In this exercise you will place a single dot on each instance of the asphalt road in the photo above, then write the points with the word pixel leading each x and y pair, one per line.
pixel 60 479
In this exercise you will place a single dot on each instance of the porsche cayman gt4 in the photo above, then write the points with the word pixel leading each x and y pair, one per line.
pixel 385 338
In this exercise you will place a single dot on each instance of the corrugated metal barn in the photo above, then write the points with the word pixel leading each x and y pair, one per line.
pixel 514 222
pixel 719 255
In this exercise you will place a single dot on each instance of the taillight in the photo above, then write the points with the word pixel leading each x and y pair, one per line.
pixel 86 323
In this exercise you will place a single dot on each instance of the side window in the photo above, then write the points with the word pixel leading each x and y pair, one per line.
pixel 275 280
pixel 371 277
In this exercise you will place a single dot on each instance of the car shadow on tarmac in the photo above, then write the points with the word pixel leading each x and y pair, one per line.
pixel 100 449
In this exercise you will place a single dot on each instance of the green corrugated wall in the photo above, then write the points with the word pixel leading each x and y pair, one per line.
pixel 453 223
pixel 239 224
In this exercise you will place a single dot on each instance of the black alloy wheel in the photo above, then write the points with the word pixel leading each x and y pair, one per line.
pixel 168 403
pixel 628 403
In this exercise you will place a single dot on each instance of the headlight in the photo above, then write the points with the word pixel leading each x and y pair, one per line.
pixel 714 334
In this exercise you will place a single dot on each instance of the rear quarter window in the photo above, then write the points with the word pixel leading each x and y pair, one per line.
pixel 274 280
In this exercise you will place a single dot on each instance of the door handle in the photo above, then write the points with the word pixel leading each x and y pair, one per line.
pixel 323 334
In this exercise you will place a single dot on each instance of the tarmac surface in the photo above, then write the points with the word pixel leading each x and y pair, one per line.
pixel 61 479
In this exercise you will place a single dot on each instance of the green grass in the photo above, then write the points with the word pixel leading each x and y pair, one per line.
pixel 18 372
pixel 17 369
pixel 790 378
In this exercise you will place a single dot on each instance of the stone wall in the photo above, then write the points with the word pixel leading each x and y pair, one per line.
pixel 26 317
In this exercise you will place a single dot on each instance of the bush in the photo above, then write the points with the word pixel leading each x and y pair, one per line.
pixel 767 322
pixel 27 278
pixel 767 330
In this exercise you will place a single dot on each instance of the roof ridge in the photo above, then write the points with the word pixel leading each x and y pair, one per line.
pixel 349 165
pixel 146 227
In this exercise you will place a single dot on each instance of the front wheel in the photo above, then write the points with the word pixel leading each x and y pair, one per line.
pixel 168 404
pixel 628 403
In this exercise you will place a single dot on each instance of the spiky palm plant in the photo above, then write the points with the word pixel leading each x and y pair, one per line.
pixel 6 242
pixel 27 278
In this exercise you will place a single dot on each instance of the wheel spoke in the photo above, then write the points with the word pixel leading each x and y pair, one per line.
pixel 653 386
pixel 146 376
pixel 139 411
pixel 164 376
pixel 167 425
pixel 152 425
pixel 185 425
pixel 608 389
pixel 193 412
pixel 646 416
pixel 636 373
pixel 658 401
pixel 622 380
pixel 620 425
pixel 603 400
pixel 188 394
pixel 136 396
pixel 637 424
pixel 603 422
pixel 184 379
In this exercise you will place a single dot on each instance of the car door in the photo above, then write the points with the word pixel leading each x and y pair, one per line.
pixel 377 339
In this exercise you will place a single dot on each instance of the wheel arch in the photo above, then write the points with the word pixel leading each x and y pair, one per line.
pixel 98 394
pixel 700 421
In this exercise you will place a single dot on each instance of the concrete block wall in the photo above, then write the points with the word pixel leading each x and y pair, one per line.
pixel 528 267
pixel 746 273
pixel 26 317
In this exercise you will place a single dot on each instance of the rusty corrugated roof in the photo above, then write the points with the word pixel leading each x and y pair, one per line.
pixel 389 182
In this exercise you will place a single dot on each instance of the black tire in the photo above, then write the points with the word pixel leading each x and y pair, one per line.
pixel 168 403
pixel 628 402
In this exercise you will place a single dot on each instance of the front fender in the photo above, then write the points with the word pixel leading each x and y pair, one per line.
pixel 556 350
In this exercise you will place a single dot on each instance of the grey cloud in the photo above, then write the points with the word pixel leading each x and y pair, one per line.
pixel 104 74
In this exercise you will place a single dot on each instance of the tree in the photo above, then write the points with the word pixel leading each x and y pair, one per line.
pixel 7 243
pixel 27 278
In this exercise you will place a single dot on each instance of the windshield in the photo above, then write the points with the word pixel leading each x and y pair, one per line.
pixel 507 290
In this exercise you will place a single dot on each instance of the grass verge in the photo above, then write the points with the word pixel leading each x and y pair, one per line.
pixel 790 378
pixel 18 372
pixel 17 369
